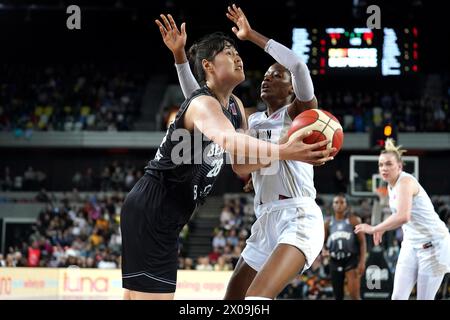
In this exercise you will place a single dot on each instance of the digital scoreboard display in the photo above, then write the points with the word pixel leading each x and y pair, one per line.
pixel 386 51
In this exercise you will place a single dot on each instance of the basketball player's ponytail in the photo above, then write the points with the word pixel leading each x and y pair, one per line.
pixel 390 147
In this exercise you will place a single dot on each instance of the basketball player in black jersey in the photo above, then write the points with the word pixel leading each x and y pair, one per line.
pixel 186 165
pixel 347 252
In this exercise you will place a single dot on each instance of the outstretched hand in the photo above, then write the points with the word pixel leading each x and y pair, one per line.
pixel 364 227
pixel 377 238
pixel 173 38
pixel 242 29
pixel 249 185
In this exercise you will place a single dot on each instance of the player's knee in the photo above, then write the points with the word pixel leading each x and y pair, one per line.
pixel 261 289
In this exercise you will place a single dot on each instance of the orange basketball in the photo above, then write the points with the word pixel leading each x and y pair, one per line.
pixel 324 126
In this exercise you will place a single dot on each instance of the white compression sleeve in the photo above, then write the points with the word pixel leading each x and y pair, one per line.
pixel 301 79
pixel 187 80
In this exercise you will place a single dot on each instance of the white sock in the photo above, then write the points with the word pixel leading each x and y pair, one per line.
pixel 257 298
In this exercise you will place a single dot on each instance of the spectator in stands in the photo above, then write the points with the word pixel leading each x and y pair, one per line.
pixel 6 182
pixel 219 240
pixel 18 183
pixel 203 264
pixel 34 255
pixel 226 214
pixel 43 196
pixel 107 261
pixel 222 264
pixel 189 264
pixel 130 180
pixel 96 238
pixel 214 255
pixel 232 238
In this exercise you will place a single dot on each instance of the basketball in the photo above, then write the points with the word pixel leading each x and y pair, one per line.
pixel 323 126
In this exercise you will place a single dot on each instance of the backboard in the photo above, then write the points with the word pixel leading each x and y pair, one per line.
pixel 364 177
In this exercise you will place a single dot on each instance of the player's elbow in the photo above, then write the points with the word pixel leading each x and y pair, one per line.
pixel 240 170
pixel 299 67
pixel 405 218
pixel 311 104
pixel 236 169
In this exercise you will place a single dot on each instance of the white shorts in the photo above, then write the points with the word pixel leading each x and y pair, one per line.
pixel 432 261
pixel 296 221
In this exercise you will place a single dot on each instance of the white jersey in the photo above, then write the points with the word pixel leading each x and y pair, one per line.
pixel 283 179
pixel 424 225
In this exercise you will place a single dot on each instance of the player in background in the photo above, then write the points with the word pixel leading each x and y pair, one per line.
pixel 425 251
pixel 347 251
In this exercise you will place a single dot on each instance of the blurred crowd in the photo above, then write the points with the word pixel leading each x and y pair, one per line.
pixel 92 97
pixel 357 110
pixel 227 239
pixel 360 111
pixel 114 176
pixel 82 229
pixel 75 230
pixel 63 98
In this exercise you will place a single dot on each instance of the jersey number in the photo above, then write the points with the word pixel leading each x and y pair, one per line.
pixel 217 165
pixel 204 193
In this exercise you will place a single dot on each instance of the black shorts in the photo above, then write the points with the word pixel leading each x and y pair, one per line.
pixel 344 264
pixel 150 222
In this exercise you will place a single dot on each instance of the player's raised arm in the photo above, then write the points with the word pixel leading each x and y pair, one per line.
pixel 301 78
pixel 175 40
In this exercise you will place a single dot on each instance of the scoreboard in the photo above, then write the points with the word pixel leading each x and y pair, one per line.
pixel 386 51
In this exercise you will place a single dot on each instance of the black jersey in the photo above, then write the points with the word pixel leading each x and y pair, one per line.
pixel 342 241
pixel 190 159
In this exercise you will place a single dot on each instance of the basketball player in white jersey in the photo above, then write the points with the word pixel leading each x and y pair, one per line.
pixel 425 253
pixel 288 234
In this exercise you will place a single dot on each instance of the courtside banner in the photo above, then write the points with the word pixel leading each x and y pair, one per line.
pixel 98 284
pixel 201 285
pixel 28 283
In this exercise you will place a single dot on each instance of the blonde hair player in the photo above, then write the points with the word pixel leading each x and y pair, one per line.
pixel 425 253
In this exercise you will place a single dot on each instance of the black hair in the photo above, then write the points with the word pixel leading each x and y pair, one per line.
pixel 207 48
pixel 341 195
